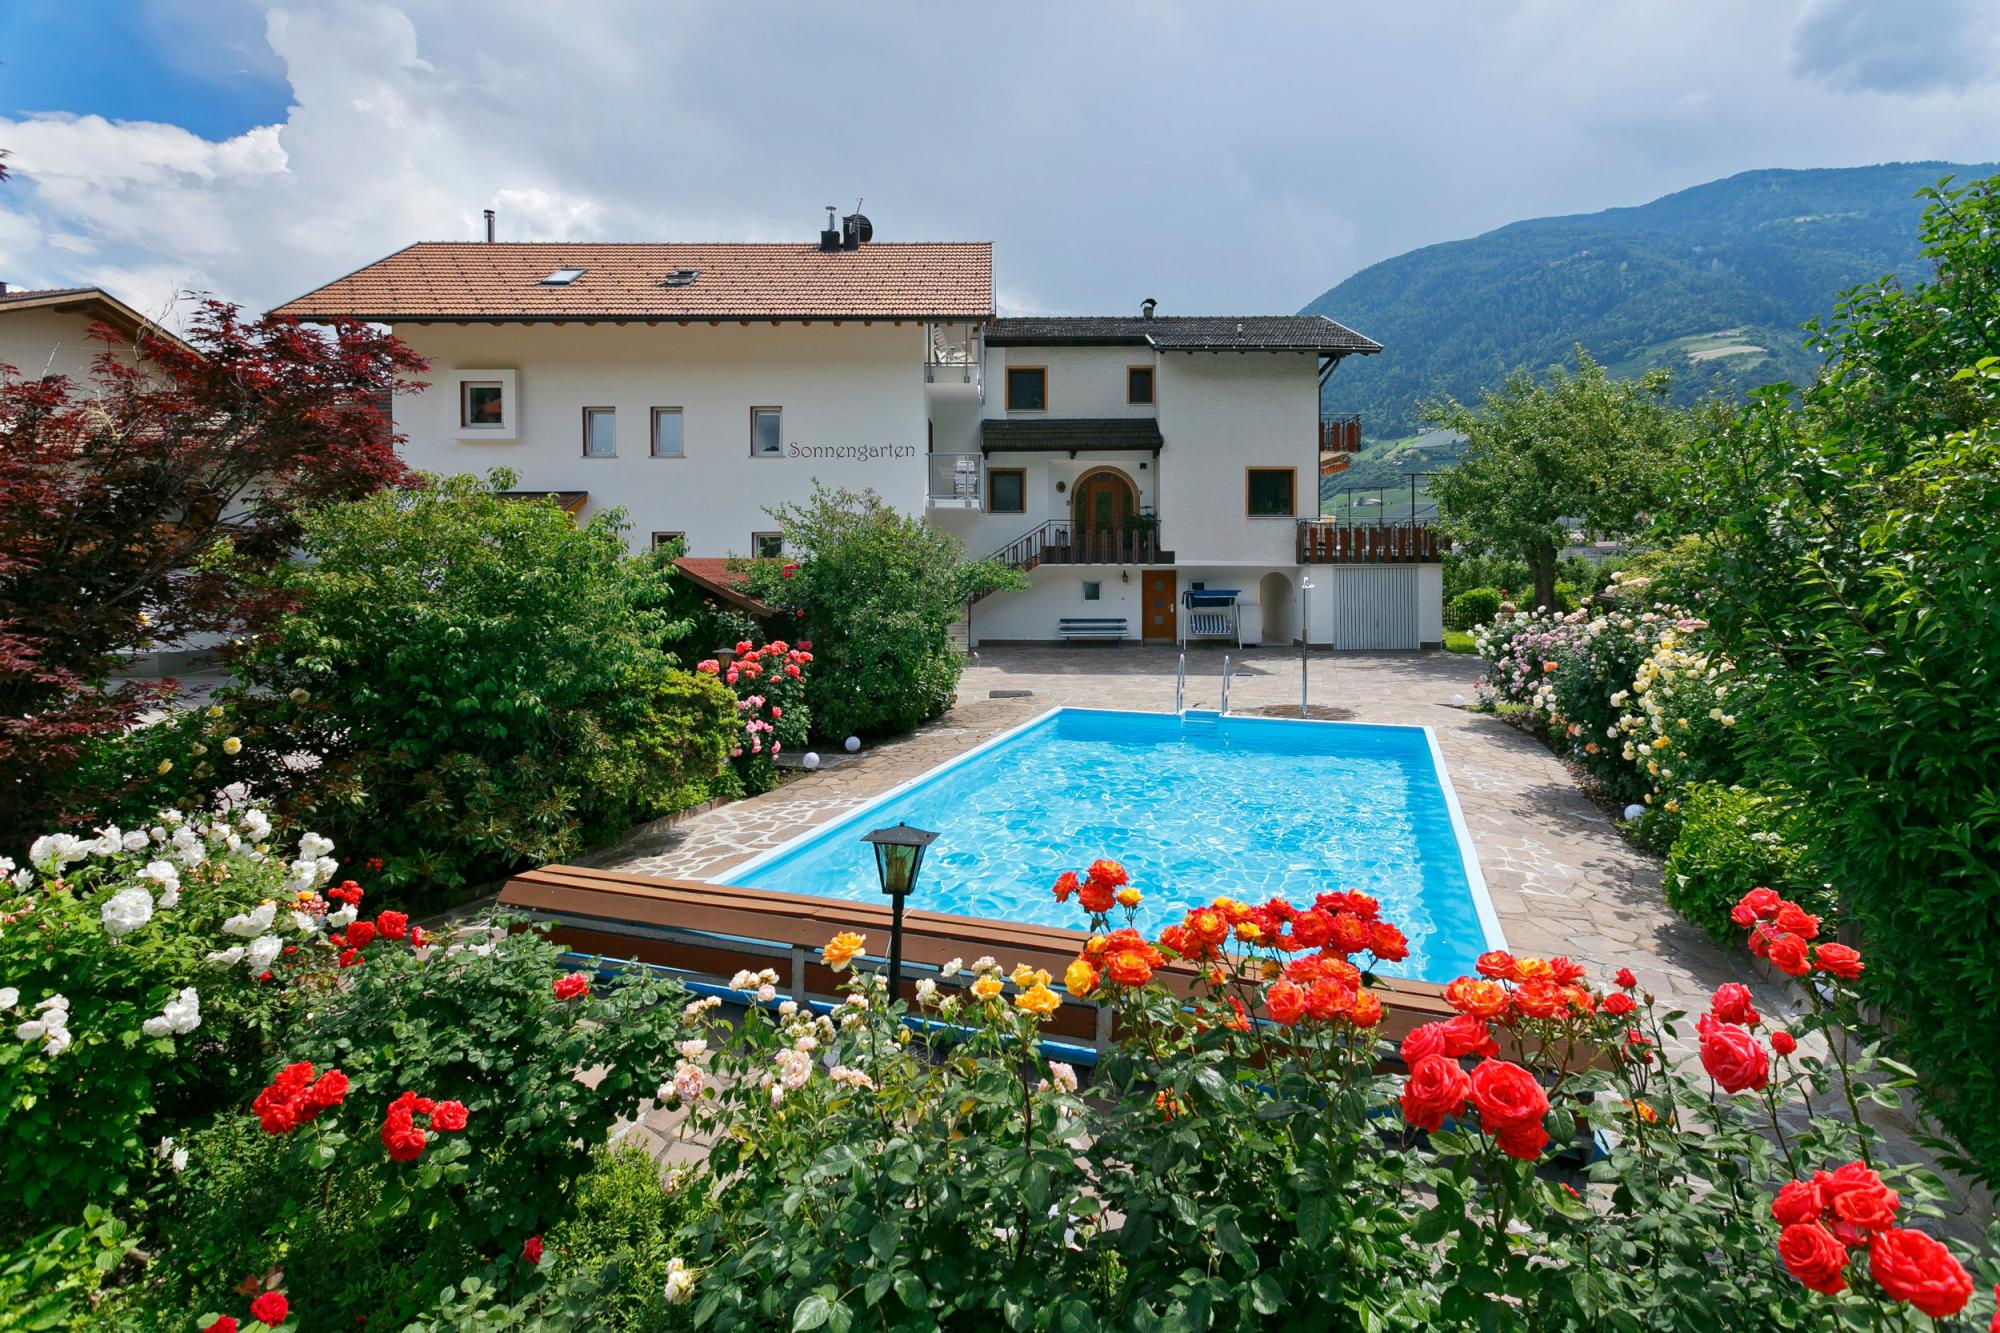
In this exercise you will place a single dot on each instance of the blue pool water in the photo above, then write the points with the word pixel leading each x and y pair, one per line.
pixel 1195 807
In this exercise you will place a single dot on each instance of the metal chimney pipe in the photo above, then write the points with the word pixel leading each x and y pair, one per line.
pixel 489 226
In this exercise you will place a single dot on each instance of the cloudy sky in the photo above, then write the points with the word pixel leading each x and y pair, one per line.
pixel 1222 158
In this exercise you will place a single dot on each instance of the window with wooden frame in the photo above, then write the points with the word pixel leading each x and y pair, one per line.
pixel 1027 388
pixel 767 432
pixel 668 538
pixel 667 439
pixel 1271 492
pixel 600 432
pixel 767 545
pixel 1138 384
pixel 1007 490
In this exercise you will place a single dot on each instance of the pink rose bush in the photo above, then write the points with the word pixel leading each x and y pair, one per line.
pixel 769 681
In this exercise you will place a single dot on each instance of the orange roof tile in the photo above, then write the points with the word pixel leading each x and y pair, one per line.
pixel 488 281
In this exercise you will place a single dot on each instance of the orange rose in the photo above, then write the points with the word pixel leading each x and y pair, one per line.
pixel 1366 1011
pixel 1129 967
pixel 1541 998
pixel 843 949
pixel 1481 999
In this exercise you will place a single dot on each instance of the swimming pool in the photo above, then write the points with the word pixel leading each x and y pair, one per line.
pixel 1195 806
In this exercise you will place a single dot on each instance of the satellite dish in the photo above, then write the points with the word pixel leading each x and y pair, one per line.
pixel 863 229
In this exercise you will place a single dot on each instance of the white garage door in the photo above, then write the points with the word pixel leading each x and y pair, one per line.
pixel 1375 606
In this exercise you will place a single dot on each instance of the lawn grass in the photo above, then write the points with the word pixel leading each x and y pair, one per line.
pixel 1457 641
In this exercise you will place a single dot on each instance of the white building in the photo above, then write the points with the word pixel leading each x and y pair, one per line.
pixel 64 330
pixel 1157 475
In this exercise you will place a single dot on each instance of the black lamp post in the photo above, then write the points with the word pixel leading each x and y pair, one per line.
pixel 899 855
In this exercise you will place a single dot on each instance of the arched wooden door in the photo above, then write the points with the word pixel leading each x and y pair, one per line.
pixel 1102 505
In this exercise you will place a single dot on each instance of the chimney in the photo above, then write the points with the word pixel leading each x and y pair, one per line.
pixel 829 239
pixel 3 289
pixel 489 226
pixel 1146 307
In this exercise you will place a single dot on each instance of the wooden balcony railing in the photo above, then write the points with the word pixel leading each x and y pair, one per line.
pixel 1324 543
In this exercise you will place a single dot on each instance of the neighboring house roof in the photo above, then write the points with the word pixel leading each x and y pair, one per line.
pixel 1069 435
pixel 569 501
pixel 92 303
pixel 731 585
pixel 502 282
pixel 1185 333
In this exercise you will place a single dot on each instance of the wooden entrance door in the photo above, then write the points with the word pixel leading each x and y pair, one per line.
pixel 1158 600
pixel 1100 508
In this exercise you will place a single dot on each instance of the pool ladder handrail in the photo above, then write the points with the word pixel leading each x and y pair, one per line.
pixel 1227 671
pixel 1180 685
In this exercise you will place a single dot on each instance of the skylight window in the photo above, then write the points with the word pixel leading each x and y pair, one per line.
pixel 681 277
pixel 562 277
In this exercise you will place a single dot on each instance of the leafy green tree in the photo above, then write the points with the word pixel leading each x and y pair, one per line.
pixel 481 681
pixel 1582 450
pixel 1854 562
pixel 875 592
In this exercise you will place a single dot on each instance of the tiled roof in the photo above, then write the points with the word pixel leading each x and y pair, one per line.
pixel 1048 435
pixel 42 293
pixel 715 576
pixel 485 281
pixel 1186 333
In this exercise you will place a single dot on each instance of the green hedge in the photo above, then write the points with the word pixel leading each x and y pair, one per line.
pixel 1731 841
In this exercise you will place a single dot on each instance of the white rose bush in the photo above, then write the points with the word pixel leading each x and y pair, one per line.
pixel 117 1007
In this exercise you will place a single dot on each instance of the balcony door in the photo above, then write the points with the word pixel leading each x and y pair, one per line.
pixel 1102 505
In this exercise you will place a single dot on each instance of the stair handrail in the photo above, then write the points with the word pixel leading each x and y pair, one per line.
pixel 1227 671
pixel 1180 685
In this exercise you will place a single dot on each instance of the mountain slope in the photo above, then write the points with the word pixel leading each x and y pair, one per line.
pixel 1710 282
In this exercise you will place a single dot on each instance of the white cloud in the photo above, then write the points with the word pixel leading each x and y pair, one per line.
pixel 1218 158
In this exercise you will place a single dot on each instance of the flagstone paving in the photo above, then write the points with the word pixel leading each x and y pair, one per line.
pixel 1563 880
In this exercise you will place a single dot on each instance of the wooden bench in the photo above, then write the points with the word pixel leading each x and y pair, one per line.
pixel 1072 628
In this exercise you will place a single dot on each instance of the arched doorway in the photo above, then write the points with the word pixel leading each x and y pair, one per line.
pixel 1103 504
pixel 1274 598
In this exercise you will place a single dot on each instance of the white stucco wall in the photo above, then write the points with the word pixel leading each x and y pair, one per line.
pixel 983 533
pixel 1082 381
pixel 854 385
pixel 1221 415
pixel 1032 613
pixel 49 342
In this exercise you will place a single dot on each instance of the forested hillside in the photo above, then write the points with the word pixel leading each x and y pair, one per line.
pixel 1710 282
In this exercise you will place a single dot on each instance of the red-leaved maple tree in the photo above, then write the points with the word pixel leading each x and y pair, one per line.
pixel 133 505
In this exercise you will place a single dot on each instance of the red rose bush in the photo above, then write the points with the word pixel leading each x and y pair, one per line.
pixel 1271 1131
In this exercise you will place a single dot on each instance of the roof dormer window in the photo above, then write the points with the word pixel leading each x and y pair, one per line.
pixel 562 277
pixel 681 277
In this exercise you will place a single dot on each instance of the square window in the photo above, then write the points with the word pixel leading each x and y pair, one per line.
pixel 1139 384
pixel 669 539
pixel 1271 492
pixel 767 432
pixel 1093 592
pixel 600 432
pixel 667 433
pixel 1027 389
pixel 767 545
pixel 481 403
pixel 1007 491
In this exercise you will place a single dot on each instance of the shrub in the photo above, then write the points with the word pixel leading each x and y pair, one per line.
pixel 135 490
pixel 479 681
pixel 770 684
pixel 120 1029
pixel 876 593
pixel 1220 1172
pixel 1464 571
pixel 1681 726
pixel 1474 607
pixel 1728 841
pixel 1852 574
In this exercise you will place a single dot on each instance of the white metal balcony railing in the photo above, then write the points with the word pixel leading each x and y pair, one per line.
pixel 957 481
pixel 954 354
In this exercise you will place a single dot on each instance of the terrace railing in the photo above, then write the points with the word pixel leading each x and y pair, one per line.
pixel 1324 542
pixel 956 481
pixel 1060 542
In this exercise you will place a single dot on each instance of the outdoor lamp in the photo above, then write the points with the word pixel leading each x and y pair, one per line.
pixel 899 857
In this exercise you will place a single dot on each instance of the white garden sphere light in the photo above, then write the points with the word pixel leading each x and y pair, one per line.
pixel 1634 811
pixel 1458 701
pixel 853 744
pixel 811 760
